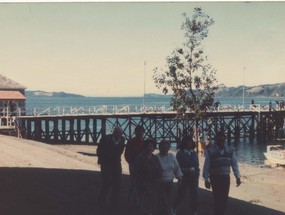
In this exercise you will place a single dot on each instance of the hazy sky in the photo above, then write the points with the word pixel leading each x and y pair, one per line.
pixel 99 49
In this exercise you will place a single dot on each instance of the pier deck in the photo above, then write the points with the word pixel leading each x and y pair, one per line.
pixel 89 128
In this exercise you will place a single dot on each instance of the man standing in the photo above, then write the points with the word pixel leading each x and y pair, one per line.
pixel 188 161
pixel 218 160
pixel 109 153
pixel 134 148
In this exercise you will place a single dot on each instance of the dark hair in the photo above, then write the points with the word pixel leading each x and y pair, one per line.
pixel 139 127
pixel 150 142
pixel 164 142
pixel 186 139
pixel 219 135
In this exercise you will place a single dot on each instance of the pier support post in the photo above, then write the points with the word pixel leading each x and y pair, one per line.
pixel 71 129
pixel 47 131
pixel 63 126
pixel 38 129
pixel 87 129
pixel 55 130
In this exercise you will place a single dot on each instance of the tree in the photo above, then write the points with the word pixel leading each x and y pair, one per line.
pixel 188 74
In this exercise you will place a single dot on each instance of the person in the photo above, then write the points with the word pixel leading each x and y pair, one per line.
pixel 216 105
pixel 109 153
pixel 147 172
pixel 170 168
pixel 219 158
pixel 188 161
pixel 270 105
pixel 134 148
pixel 252 105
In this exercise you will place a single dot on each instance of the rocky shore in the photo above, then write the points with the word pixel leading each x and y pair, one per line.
pixel 41 179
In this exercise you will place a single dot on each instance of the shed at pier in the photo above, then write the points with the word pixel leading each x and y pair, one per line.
pixel 12 100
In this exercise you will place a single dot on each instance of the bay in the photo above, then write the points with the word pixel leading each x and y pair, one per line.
pixel 42 103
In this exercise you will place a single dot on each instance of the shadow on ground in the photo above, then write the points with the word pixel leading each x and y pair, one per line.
pixel 88 154
pixel 38 191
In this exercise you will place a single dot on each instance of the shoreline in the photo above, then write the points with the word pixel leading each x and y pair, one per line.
pixel 69 177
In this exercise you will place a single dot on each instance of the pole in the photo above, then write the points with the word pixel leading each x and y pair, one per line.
pixel 243 90
pixel 144 86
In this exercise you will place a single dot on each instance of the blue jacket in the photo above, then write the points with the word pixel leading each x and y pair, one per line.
pixel 188 162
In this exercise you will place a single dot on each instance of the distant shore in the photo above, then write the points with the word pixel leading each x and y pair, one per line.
pixel 38 178
pixel 266 90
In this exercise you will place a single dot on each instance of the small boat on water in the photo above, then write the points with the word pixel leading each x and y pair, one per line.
pixel 275 154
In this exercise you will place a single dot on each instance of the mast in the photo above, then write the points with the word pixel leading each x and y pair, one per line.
pixel 243 89
pixel 144 86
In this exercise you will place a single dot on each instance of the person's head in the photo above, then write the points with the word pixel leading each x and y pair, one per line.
pixel 187 142
pixel 117 133
pixel 220 139
pixel 139 131
pixel 149 146
pixel 164 147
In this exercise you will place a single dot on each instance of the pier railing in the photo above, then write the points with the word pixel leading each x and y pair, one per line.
pixel 104 109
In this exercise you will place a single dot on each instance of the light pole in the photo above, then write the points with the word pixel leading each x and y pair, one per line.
pixel 144 86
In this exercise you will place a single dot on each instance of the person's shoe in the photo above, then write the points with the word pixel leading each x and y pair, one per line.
pixel 173 211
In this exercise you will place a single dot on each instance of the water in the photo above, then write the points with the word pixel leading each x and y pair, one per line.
pixel 45 102
pixel 246 151
pixel 250 152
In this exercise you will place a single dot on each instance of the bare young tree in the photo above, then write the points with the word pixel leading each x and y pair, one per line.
pixel 188 74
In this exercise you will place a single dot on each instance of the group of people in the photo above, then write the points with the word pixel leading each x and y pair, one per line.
pixel 152 175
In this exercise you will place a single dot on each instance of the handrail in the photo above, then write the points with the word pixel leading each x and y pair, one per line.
pixel 104 109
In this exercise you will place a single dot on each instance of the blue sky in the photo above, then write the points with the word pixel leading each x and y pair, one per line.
pixel 99 49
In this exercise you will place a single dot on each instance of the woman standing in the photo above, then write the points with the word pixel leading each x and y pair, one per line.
pixel 147 172
pixel 189 164
pixel 170 168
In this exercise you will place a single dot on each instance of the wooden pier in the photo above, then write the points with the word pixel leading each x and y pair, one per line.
pixel 89 128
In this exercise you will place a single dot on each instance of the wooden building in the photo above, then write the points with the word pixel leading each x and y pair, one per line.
pixel 12 100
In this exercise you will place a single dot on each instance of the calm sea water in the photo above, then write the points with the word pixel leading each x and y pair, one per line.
pixel 247 152
pixel 45 102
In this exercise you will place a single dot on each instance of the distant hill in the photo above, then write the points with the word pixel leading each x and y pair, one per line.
pixel 39 93
pixel 267 90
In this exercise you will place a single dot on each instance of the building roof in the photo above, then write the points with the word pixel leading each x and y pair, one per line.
pixel 11 95
pixel 6 83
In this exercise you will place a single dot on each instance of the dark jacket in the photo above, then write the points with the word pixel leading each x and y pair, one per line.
pixel 109 153
pixel 188 162
pixel 134 148
pixel 147 170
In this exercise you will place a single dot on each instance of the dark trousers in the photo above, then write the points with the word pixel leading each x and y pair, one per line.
pixel 221 186
pixel 164 204
pixel 149 197
pixel 188 183
pixel 134 195
pixel 111 179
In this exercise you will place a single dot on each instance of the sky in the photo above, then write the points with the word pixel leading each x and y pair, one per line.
pixel 100 49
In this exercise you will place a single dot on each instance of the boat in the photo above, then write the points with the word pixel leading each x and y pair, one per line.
pixel 275 154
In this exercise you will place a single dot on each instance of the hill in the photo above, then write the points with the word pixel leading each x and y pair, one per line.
pixel 267 90
pixel 40 93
